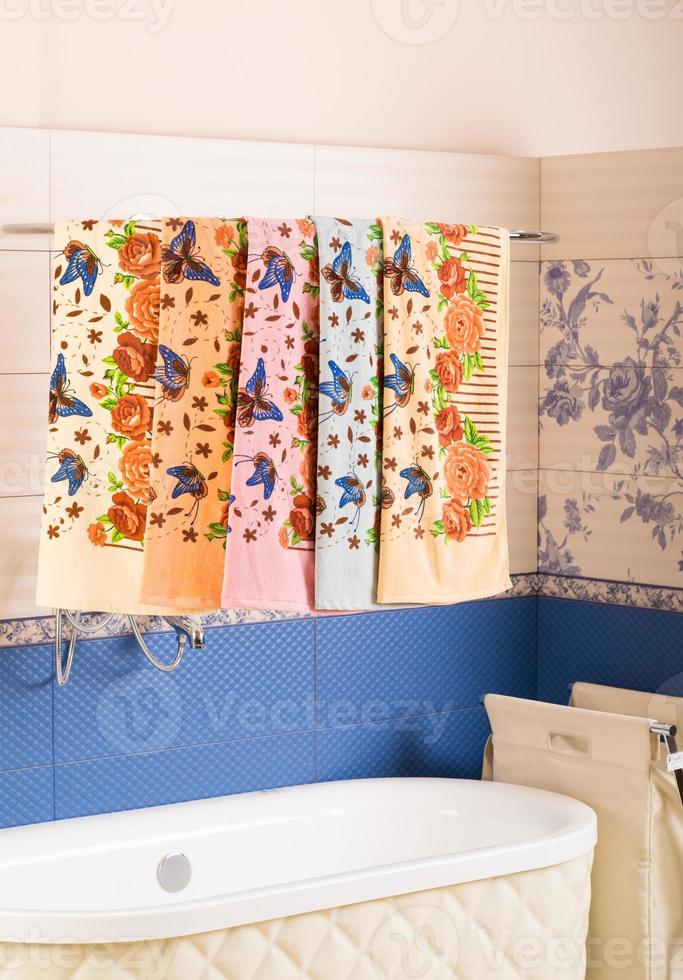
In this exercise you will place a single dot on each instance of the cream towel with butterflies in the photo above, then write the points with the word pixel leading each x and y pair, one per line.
pixel 443 531
pixel 101 404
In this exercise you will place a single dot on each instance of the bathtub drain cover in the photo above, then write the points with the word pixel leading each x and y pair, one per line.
pixel 174 872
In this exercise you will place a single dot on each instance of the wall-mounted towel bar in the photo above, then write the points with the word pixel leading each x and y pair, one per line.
pixel 517 234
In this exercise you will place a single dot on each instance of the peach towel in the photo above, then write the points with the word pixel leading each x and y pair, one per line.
pixel 443 530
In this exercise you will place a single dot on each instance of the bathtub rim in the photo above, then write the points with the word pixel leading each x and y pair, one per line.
pixel 313 894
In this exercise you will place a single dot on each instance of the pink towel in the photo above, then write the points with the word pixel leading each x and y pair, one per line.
pixel 271 537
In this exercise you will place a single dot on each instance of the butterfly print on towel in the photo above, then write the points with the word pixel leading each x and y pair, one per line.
pixel 62 402
pixel 191 481
pixel 252 404
pixel 339 390
pixel 265 473
pixel 401 382
pixel 353 493
pixel 343 284
pixel 173 374
pixel 71 468
pixel 181 259
pixel 420 483
pixel 279 271
pixel 83 264
pixel 401 271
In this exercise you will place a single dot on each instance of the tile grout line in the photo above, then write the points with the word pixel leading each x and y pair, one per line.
pixel 52 739
pixel 314 720
pixel 609 473
pixel 539 373
pixel 394 719
pixel 37 765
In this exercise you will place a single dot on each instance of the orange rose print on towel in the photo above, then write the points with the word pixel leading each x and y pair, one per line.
pixel 114 344
pixel 463 303
pixel 129 387
pixel 441 302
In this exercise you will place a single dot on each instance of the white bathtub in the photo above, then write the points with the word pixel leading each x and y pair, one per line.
pixel 275 853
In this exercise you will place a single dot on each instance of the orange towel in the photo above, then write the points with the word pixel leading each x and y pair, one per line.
pixel 202 301
pixel 443 530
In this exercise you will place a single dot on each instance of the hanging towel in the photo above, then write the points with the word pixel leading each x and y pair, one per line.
pixel 101 404
pixel 200 323
pixel 270 551
pixel 443 525
pixel 349 413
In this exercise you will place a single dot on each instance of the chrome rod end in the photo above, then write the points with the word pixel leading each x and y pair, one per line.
pixel 188 628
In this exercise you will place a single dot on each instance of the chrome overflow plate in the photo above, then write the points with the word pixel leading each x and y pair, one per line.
pixel 174 872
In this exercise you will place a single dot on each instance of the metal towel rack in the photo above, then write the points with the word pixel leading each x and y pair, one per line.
pixel 667 735
pixel 516 234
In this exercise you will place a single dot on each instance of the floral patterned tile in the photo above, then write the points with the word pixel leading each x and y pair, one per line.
pixel 611 527
pixel 630 422
pixel 613 593
pixel 599 313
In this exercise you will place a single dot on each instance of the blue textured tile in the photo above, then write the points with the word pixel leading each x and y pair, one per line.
pixel 26 796
pixel 448 744
pixel 641 649
pixel 132 781
pixel 419 660
pixel 25 707
pixel 249 681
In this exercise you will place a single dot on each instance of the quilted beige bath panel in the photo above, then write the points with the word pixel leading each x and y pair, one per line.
pixel 516 927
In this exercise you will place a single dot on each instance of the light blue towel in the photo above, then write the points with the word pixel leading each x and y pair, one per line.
pixel 349 413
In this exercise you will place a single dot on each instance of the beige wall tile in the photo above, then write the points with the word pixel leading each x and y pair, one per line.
pixel 166 175
pixel 614 205
pixel 24 185
pixel 458 187
pixel 524 302
pixel 522 418
pixel 23 433
pixel 602 526
pixel 521 493
pixel 25 299
pixel 20 531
